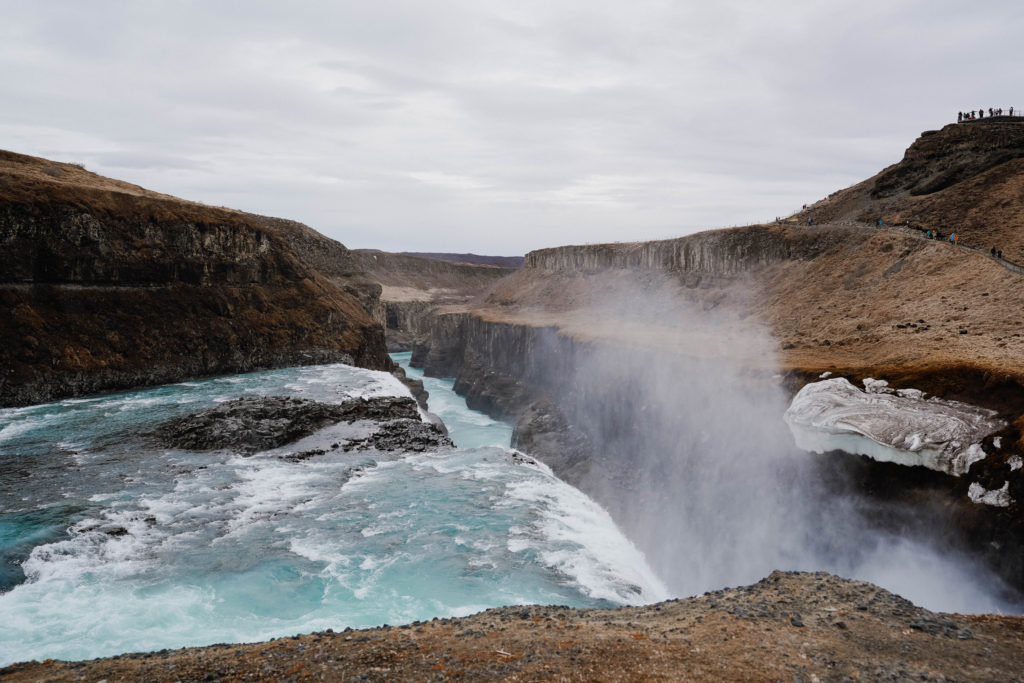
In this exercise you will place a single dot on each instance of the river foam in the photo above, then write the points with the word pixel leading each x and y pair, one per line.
pixel 156 548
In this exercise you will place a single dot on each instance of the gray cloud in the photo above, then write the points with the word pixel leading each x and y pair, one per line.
pixel 497 127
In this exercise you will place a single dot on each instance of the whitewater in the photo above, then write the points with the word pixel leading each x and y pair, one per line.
pixel 110 544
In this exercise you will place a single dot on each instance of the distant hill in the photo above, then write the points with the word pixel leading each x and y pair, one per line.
pixel 414 286
pixel 966 178
pixel 504 261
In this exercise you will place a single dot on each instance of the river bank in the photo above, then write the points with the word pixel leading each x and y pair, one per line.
pixel 789 626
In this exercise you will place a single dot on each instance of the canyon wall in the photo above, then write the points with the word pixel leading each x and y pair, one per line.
pixel 668 315
pixel 716 252
pixel 104 285
pixel 413 289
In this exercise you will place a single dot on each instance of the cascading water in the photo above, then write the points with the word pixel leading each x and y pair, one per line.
pixel 468 428
pixel 689 452
pixel 111 544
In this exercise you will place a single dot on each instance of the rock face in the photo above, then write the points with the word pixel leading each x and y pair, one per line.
pixel 717 252
pixel 890 426
pixel 104 285
pixel 940 159
pixel 543 430
pixel 500 368
pixel 248 425
pixel 788 626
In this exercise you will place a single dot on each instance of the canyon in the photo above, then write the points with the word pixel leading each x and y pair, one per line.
pixel 826 292
pixel 651 375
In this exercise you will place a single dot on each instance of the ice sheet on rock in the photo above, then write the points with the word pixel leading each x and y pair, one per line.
pixel 901 427
pixel 997 497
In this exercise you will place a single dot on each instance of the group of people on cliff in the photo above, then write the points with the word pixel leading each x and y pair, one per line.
pixel 954 238
pixel 962 116
pixel 936 235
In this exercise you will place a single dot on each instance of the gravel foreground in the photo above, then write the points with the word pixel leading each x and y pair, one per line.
pixel 788 627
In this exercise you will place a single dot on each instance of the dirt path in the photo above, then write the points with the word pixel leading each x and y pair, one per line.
pixel 918 233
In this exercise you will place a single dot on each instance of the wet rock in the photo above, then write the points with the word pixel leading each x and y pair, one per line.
pixel 415 386
pixel 403 435
pixel 544 432
pixel 259 423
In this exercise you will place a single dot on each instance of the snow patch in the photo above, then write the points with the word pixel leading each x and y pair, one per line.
pixel 876 386
pixel 900 427
pixel 1015 462
pixel 996 497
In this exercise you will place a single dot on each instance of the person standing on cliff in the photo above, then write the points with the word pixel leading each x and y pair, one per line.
pixel 959 117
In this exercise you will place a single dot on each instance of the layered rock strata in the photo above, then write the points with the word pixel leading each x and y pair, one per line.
pixel 414 288
pixel 105 285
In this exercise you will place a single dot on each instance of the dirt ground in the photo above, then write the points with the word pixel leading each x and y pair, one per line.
pixel 788 627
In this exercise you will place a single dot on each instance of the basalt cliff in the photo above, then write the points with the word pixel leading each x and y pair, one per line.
pixel 105 285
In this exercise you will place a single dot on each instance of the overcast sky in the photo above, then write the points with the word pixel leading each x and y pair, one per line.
pixel 498 127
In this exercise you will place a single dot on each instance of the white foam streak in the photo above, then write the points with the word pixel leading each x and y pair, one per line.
pixel 591 550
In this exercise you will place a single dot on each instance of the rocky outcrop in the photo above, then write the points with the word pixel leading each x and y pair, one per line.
pixel 331 259
pixel 542 430
pixel 942 158
pixel 105 285
pixel 407 321
pixel 500 368
pixel 252 424
pixel 964 178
